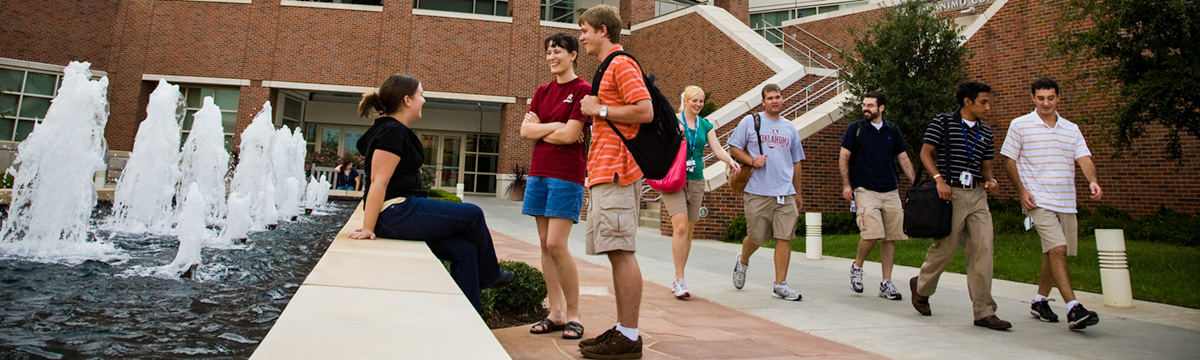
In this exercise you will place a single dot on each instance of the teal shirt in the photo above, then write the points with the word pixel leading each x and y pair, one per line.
pixel 697 139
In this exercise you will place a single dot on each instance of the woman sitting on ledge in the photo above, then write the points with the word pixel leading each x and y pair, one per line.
pixel 455 232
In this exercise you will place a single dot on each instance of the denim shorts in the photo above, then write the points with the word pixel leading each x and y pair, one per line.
pixel 546 196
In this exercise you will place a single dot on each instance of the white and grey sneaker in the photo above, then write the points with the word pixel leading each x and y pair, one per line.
pixel 679 287
pixel 856 275
pixel 888 291
pixel 739 272
pixel 783 291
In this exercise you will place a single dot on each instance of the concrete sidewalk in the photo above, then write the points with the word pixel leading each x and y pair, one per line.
pixel 830 311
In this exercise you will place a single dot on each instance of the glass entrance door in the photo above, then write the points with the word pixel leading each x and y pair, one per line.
pixel 443 158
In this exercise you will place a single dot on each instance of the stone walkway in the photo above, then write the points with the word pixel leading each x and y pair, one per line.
pixel 831 321
pixel 672 329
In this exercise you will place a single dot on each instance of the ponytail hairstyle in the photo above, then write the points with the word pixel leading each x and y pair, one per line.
pixel 688 93
pixel 389 97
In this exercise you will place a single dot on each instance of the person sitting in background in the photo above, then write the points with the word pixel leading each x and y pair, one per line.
pixel 347 176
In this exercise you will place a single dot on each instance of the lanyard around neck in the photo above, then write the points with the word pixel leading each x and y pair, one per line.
pixel 692 135
pixel 971 145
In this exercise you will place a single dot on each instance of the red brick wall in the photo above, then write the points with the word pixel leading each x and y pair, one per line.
pixel 740 9
pixel 1010 54
pixel 58 32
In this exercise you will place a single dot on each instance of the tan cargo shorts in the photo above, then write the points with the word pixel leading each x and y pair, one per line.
pixel 880 215
pixel 766 218
pixel 612 217
pixel 687 200
pixel 1056 229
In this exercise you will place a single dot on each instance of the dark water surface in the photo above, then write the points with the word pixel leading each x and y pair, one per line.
pixel 101 310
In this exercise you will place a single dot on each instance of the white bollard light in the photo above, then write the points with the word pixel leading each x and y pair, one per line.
pixel 1114 268
pixel 812 239
pixel 459 192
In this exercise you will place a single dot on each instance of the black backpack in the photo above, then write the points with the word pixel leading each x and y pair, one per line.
pixel 657 142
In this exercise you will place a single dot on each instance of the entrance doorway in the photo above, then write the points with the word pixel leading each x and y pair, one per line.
pixel 454 158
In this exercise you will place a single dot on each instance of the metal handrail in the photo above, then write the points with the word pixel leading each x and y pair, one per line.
pixel 835 48
pixel 812 55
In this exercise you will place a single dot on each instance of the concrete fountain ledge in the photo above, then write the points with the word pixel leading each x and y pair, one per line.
pixel 378 299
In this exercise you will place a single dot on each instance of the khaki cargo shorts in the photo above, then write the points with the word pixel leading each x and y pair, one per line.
pixel 880 215
pixel 612 217
pixel 689 199
pixel 1056 229
pixel 766 218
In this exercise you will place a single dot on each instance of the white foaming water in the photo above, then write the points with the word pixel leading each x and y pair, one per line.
pixel 205 160
pixel 253 170
pixel 291 200
pixel 312 191
pixel 299 153
pixel 142 202
pixel 190 233
pixel 55 166
pixel 238 222
pixel 270 210
pixel 323 192
pixel 281 162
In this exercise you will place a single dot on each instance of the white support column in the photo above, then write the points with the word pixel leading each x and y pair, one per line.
pixel 812 241
pixel 1114 268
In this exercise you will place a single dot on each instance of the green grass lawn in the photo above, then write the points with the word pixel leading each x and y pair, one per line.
pixel 1163 273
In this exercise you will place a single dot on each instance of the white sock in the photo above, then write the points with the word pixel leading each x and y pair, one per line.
pixel 1072 304
pixel 1040 298
pixel 855 267
pixel 631 333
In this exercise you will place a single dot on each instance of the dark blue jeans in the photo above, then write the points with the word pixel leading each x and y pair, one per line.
pixel 455 232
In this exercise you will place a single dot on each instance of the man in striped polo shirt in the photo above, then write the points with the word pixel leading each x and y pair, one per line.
pixel 1041 150
pixel 961 144
pixel 614 178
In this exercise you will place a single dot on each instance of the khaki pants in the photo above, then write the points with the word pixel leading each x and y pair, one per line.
pixel 971 226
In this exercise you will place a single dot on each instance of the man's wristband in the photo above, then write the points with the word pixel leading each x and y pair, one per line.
pixel 935 176
pixel 993 180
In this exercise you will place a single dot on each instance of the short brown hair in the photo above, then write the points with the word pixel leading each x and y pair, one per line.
pixel 770 87
pixel 606 16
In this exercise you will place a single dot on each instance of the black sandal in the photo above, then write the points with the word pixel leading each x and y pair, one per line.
pixel 547 325
pixel 574 327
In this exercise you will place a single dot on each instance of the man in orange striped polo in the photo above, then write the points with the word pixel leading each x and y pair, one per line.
pixel 613 178
pixel 1041 150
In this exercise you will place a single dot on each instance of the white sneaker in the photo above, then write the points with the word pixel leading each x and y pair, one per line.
pixel 783 291
pixel 888 291
pixel 680 289
pixel 739 272
pixel 856 275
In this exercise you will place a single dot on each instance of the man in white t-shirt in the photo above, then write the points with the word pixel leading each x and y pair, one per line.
pixel 772 198
pixel 1041 150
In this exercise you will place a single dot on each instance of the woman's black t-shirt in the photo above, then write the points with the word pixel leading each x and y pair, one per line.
pixel 389 134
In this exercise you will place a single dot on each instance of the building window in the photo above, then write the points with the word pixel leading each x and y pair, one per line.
pixel 24 99
pixel 558 11
pixel 484 7
pixel 341 139
pixel 225 98
pixel 483 155
pixel 293 112
pixel 767 24
pixel 352 2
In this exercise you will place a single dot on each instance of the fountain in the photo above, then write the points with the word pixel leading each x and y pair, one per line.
pixel 253 171
pixel 205 160
pixel 311 193
pixel 66 294
pixel 53 189
pixel 143 198
pixel 190 234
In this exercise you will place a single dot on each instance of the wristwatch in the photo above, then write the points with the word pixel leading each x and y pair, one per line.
pixel 604 112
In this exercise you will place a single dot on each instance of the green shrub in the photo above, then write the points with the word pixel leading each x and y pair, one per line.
pixel 6 182
pixel 735 231
pixel 524 294
pixel 835 223
pixel 443 195
pixel 1007 216
pixel 1169 226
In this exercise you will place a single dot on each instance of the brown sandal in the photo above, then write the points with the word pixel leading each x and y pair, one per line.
pixel 547 325
pixel 575 327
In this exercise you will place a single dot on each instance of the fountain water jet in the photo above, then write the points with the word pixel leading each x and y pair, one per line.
pixel 190 234
pixel 206 162
pixel 254 167
pixel 53 188
pixel 143 198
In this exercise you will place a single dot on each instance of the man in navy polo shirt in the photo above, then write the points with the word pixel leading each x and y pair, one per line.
pixel 958 151
pixel 869 182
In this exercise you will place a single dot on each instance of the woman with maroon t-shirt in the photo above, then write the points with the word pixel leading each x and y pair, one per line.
pixel 554 192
